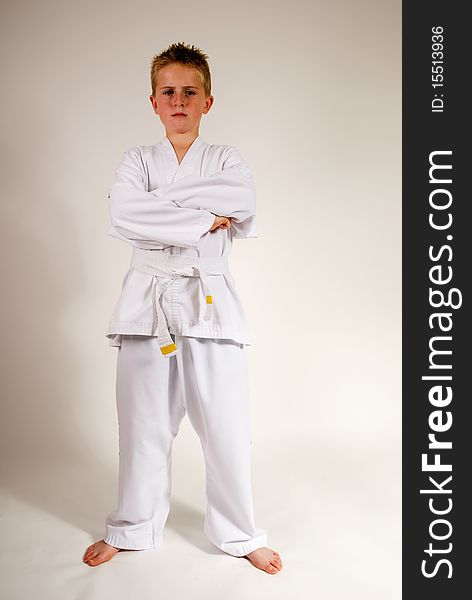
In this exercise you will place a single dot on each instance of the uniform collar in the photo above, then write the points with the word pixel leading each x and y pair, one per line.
pixel 197 142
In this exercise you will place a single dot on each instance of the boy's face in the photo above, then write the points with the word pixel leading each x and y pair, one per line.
pixel 179 89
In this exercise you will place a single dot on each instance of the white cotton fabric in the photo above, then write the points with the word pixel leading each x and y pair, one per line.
pixel 158 205
pixel 208 379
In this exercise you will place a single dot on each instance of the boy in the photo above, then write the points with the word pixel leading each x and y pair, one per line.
pixel 179 324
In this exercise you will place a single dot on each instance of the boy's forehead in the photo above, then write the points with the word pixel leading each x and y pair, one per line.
pixel 176 74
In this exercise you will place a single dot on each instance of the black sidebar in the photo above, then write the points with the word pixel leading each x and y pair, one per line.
pixel 437 270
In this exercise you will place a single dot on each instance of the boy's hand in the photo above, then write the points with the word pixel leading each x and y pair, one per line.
pixel 221 222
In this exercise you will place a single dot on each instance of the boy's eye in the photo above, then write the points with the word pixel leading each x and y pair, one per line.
pixel 189 92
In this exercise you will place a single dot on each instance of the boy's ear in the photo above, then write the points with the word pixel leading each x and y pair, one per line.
pixel 154 106
pixel 208 103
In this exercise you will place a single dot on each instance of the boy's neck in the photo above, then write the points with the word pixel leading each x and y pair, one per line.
pixel 182 141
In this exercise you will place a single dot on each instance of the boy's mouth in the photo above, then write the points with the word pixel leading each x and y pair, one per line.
pixel 179 115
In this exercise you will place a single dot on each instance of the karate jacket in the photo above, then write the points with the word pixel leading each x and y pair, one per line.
pixel 159 205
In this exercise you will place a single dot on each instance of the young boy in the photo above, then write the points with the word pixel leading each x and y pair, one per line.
pixel 179 324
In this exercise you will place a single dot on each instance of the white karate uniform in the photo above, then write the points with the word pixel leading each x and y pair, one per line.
pixel 144 201
pixel 180 330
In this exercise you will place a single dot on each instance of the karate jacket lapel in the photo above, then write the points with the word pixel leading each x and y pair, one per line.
pixel 173 169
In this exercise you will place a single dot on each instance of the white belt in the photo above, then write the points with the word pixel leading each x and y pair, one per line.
pixel 167 267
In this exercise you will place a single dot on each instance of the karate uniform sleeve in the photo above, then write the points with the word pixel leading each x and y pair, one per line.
pixel 149 220
pixel 229 193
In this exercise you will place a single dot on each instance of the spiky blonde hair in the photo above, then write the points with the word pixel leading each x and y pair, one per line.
pixel 187 55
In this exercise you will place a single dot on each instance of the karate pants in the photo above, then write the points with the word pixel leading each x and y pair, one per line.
pixel 208 379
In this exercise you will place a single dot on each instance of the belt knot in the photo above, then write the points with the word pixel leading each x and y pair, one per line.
pixel 165 268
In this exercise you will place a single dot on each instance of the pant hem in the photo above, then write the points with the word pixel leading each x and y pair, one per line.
pixel 118 542
pixel 239 549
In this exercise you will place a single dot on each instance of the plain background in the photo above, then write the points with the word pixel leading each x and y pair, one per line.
pixel 310 93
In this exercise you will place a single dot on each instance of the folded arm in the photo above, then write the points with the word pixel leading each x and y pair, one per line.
pixel 228 193
pixel 149 219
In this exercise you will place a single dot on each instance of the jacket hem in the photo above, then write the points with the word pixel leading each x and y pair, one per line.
pixel 117 329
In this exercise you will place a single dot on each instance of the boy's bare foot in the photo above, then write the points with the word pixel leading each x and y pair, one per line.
pixel 265 559
pixel 98 553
